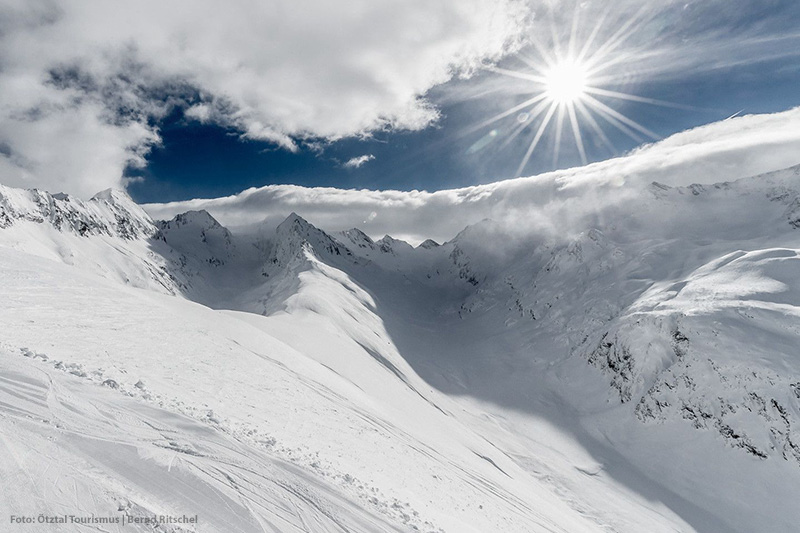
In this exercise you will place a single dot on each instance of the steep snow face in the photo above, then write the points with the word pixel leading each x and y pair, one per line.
pixel 637 373
pixel 712 358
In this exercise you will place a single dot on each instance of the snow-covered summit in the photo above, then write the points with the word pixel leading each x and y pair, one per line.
pixel 200 219
pixel 110 212
pixel 199 234
pixel 295 235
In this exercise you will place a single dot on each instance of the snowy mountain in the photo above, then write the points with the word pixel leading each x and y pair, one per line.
pixel 198 234
pixel 636 370
pixel 109 212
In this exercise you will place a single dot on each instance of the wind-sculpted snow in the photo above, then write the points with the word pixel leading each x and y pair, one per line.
pixel 637 372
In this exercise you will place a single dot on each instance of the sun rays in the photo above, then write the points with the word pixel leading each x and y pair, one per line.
pixel 568 82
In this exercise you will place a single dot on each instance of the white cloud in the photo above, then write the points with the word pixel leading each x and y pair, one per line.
pixel 83 82
pixel 357 162
pixel 557 202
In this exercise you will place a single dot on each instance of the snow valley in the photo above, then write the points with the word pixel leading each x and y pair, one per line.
pixel 627 366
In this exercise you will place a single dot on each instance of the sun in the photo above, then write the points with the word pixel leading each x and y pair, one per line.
pixel 566 82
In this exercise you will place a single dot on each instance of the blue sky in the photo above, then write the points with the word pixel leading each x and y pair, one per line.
pixel 208 161
pixel 183 100
pixel 205 160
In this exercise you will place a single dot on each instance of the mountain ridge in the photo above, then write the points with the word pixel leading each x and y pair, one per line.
pixel 661 333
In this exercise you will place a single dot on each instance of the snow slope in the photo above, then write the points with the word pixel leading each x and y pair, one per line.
pixel 635 371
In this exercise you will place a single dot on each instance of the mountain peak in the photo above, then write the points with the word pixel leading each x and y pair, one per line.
pixel 110 212
pixel 196 218
pixel 112 196
pixel 294 217
pixel 295 234
pixel 390 245
pixel 429 244
pixel 199 234
pixel 294 223
pixel 360 235
pixel 357 238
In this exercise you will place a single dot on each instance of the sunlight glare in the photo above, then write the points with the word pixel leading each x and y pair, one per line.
pixel 566 82
pixel 564 88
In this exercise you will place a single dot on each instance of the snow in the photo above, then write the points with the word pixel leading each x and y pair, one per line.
pixel 74 447
pixel 636 372
pixel 220 370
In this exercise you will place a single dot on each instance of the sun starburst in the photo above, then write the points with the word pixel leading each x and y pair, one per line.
pixel 570 84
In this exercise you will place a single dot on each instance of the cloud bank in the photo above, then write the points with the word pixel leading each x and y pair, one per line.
pixel 728 150
pixel 84 83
